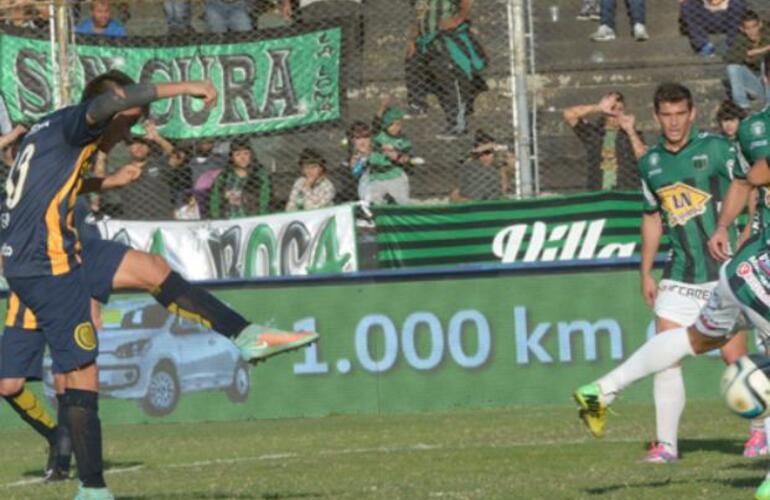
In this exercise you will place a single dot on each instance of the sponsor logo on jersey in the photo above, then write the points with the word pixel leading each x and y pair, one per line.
pixel 758 129
pixel 700 162
pixel 683 202
pixel 758 144
pixel 744 269
pixel 6 250
pixel 657 171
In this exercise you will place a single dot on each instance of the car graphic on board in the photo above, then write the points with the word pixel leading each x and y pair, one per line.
pixel 153 357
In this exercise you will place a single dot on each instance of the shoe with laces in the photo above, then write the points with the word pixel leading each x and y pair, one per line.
pixel 257 343
pixel 659 454
pixel 756 446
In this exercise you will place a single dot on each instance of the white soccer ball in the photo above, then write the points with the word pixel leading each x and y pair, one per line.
pixel 746 387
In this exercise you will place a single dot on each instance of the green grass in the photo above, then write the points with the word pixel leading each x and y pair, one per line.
pixel 524 453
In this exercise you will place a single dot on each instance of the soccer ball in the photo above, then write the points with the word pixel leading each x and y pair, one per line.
pixel 746 387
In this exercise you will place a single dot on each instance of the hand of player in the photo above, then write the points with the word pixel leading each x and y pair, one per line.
pixel 19 130
pixel 204 89
pixel 649 289
pixel 719 244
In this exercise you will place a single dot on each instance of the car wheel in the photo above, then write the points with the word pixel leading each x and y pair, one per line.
pixel 238 392
pixel 162 391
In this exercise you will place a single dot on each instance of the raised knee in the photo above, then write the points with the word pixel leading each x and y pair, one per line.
pixel 11 387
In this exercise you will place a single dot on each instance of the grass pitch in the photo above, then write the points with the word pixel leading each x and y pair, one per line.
pixel 524 453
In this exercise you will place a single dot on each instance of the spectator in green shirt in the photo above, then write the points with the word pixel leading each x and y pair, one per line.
pixel 745 60
pixel 242 188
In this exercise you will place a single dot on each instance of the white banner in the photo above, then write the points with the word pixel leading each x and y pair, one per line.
pixel 290 244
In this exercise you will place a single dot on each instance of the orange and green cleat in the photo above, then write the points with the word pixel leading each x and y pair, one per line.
pixel 258 343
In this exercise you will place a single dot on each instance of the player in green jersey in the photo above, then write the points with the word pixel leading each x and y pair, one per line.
pixel 742 293
pixel 684 179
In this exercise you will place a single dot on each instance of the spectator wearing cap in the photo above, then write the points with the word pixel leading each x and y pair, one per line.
pixel 483 176
pixel 745 60
pixel 612 143
pixel 243 188
pixel 149 197
pixel 227 15
pixel 704 17
pixel 312 189
pixel 391 153
pixel 100 22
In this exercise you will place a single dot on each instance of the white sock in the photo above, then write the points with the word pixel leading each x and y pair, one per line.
pixel 668 390
pixel 660 352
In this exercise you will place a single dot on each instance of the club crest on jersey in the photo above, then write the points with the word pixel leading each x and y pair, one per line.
pixel 758 129
pixel 700 162
pixel 654 160
pixel 682 202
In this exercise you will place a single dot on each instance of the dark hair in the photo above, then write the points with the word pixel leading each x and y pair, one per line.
pixel 728 110
pixel 357 129
pixel 105 82
pixel 672 92
pixel 482 137
pixel 240 144
pixel 750 15
pixel 310 156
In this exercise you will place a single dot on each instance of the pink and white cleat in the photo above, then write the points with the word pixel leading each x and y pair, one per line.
pixel 756 446
pixel 659 454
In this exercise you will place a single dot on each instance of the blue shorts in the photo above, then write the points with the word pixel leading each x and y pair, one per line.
pixel 24 332
pixel 21 353
pixel 61 306
pixel 101 259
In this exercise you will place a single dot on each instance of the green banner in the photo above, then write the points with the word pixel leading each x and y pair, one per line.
pixel 266 85
pixel 485 341
pixel 562 228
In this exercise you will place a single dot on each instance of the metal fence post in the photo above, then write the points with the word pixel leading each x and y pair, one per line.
pixel 519 104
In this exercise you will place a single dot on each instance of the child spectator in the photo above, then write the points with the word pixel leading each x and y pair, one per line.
pixel 391 153
pixel 745 59
pixel 729 116
pixel 359 148
pixel 243 187
pixel 312 189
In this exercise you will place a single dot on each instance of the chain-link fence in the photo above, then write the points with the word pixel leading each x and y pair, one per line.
pixel 405 101
pixel 586 49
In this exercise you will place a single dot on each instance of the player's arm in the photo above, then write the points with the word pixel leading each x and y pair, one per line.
pixel 752 212
pixel 106 105
pixel 11 137
pixel 652 231
pixel 732 206
pixel 759 175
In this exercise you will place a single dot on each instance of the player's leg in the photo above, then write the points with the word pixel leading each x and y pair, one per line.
pixel 711 331
pixel 62 305
pixel 21 359
pixel 150 272
pixel 63 449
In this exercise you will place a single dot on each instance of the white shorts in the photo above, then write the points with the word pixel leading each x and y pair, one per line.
pixel 724 315
pixel 682 302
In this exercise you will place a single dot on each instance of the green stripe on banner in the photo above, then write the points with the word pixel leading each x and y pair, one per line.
pixel 588 226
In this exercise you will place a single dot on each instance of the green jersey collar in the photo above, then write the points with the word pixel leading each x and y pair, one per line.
pixel 694 131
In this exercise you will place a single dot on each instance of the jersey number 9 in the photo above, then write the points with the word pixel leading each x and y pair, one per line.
pixel 14 185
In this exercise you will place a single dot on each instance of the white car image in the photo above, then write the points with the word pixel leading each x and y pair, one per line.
pixel 153 357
